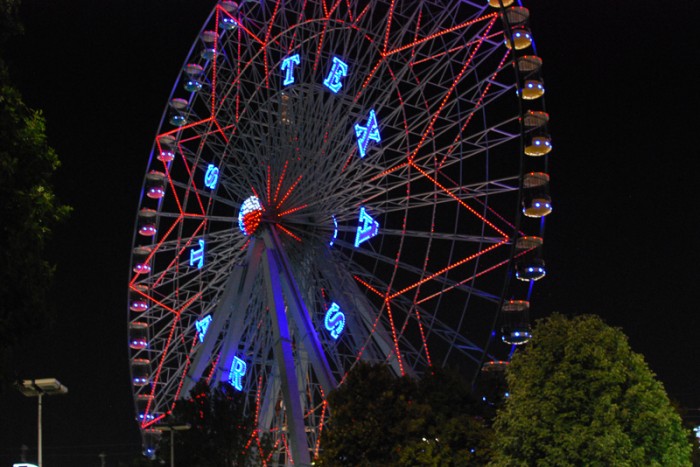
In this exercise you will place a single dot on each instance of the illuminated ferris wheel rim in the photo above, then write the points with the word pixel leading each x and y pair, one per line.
pixel 360 240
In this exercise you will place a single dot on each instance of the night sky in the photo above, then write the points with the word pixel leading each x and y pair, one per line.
pixel 621 242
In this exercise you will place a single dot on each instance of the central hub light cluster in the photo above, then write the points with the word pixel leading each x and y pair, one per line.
pixel 250 215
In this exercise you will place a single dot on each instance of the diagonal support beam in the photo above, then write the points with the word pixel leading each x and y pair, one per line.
pixel 300 314
pixel 239 285
pixel 284 357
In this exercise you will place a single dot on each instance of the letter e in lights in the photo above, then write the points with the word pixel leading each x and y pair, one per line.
pixel 338 71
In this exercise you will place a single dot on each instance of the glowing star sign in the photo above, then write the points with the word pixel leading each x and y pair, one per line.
pixel 288 67
pixel 338 70
pixel 197 256
pixel 211 177
pixel 237 373
pixel 367 228
pixel 202 325
pixel 367 133
pixel 250 215
pixel 334 321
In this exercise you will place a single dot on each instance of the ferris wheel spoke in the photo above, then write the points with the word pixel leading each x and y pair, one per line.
pixel 450 236
pixel 479 190
pixel 437 277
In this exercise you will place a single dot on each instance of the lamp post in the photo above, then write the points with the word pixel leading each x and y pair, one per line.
pixel 37 388
pixel 172 429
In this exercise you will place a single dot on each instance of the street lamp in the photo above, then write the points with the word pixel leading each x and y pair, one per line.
pixel 37 388
pixel 172 429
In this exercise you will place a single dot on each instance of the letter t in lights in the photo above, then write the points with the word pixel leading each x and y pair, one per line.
pixel 288 67
pixel 366 229
pixel 338 70
pixel 197 256
pixel 235 377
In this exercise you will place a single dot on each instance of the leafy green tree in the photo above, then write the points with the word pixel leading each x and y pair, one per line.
pixel 28 207
pixel 378 419
pixel 219 429
pixel 580 396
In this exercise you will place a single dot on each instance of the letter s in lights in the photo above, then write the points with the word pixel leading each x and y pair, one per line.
pixel 334 321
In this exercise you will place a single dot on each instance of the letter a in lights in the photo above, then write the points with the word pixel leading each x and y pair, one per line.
pixel 197 256
pixel 235 377
pixel 288 67
pixel 366 229
pixel 202 325
pixel 366 133
pixel 334 321
pixel 338 71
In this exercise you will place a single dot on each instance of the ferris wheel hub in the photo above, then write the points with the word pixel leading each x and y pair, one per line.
pixel 250 215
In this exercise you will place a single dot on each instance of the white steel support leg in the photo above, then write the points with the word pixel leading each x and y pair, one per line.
pixel 284 358
pixel 203 352
pixel 237 313
pixel 301 316
pixel 228 311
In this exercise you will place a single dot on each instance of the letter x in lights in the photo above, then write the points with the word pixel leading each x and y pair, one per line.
pixel 338 71
pixel 202 325
pixel 288 67
pixel 235 377
pixel 367 133
pixel 366 229
pixel 334 321
pixel 197 256
pixel 211 177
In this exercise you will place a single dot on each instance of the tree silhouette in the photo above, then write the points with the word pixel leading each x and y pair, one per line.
pixel 378 419
pixel 220 434
pixel 28 207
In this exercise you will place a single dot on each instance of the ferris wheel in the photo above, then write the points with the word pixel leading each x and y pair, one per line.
pixel 335 182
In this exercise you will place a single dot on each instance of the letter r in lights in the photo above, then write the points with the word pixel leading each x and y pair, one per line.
pixel 235 377
pixel 288 67
pixel 338 71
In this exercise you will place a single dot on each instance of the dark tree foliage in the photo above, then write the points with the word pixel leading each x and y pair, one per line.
pixel 28 207
pixel 580 396
pixel 378 419
pixel 219 431
pixel 9 26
